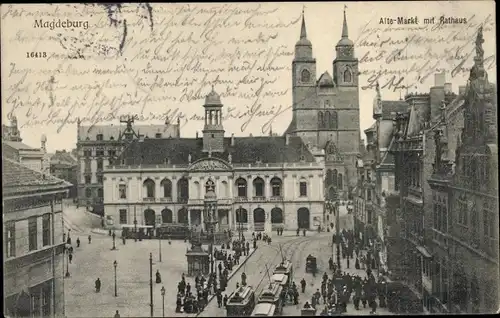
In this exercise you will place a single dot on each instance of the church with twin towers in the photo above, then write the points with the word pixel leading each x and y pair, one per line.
pixel 326 110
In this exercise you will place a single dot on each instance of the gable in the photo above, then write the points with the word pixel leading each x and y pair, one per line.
pixel 332 153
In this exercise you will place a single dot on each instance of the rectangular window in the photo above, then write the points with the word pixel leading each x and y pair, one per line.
pixel 100 164
pixel 87 153
pixel 88 166
pixel 35 304
pixel 99 179
pixel 32 233
pixel 99 153
pixel 303 189
pixel 99 137
pixel 259 189
pixel 123 216
pixel 369 195
pixel 122 191
pixel 10 239
pixel 88 179
pixel 46 300
pixel 46 229
pixel 112 153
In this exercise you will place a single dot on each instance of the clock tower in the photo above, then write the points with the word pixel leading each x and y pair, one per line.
pixel 345 65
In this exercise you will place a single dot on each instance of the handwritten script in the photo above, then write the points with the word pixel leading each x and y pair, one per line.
pixel 97 62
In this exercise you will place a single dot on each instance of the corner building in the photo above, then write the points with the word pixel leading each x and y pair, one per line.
pixel 326 110
pixel 274 181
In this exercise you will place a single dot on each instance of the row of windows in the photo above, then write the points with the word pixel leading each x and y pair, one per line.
pixel 241 215
pixel 10 234
pixel 489 219
pixel 305 76
pixel 99 153
pixel 100 193
pixel 475 170
pixel 414 172
pixel 241 184
pixel 333 178
pixel 440 215
pixel 328 120
pixel 88 179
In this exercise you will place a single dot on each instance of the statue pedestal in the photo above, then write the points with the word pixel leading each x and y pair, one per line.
pixel 198 260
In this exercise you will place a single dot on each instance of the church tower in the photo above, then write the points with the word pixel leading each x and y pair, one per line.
pixel 213 132
pixel 304 119
pixel 345 65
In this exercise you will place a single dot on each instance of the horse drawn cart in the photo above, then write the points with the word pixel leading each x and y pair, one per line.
pixel 311 266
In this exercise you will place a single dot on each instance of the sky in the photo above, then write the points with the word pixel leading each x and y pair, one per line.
pixel 159 60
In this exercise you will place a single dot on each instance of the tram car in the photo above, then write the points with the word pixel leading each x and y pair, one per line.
pixel 281 279
pixel 286 268
pixel 311 266
pixel 241 302
pixel 137 231
pixel 173 231
pixel 273 294
pixel 264 310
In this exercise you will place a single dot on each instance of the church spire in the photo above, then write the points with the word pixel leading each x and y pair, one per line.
pixel 303 32
pixel 345 34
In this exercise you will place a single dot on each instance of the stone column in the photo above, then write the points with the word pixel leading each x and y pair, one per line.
pixel 267 187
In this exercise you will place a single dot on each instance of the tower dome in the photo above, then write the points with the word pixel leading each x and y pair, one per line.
pixel 212 98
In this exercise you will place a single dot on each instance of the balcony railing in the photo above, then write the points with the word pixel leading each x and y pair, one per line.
pixel 183 200
pixel 148 199
pixel 241 199
pixel 166 199
pixel 276 198
pixel 259 199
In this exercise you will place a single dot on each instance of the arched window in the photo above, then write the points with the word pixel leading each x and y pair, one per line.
pixel 209 186
pixel 182 216
pixel 149 186
pixel 100 193
pixel 166 184
pixel 166 216
pixel 347 75
pixel 334 120
pixel 224 190
pixel 321 122
pixel 258 185
pixel 340 181
pixel 276 216
pixel 329 177
pixel 276 186
pixel 303 188
pixel 88 192
pixel 327 119
pixel 241 184
pixel 183 189
pixel 335 178
pixel 305 76
pixel 241 215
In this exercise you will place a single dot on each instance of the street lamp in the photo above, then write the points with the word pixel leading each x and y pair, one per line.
pixel 115 264
pixel 135 224
pixel 159 246
pixel 163 300
pixel 337 235
pixel 151 282
pixel 67 262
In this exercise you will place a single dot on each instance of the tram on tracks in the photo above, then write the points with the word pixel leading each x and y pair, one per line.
pixel 264 310
pixel 286 268
pixel 241 302
pixel 281 279
pixel 273 294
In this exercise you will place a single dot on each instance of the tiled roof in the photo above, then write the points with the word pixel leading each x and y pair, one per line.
pixel 63 158
pixel 267 149
pixel 18 179
pixel 393 106
pixel 20 145
pixel 114 131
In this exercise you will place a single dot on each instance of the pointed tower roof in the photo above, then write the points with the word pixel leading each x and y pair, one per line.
pixel 325 80
pixel 303 33
pixel 345 41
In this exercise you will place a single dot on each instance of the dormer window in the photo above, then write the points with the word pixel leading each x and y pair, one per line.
pixel 99 137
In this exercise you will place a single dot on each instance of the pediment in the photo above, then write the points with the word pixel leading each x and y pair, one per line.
pixel 212 164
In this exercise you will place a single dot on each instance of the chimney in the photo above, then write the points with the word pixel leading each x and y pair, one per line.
pixel 447 88
pixel 287 139
pixel 461 90
pixel 232 139
pixel 439 79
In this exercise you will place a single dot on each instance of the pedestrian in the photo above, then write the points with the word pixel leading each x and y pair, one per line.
pixel 98 285
pixel 243 279
pixel 304 232
pixel 90 239
pixel 356 264
pixel 117 315
pixel 158 277
pixel 77 242
pixel 70 257
pixel 237 285
pixel 219 299
pixel 298 230
pixel 303 285
pixel 224 301
pixel 123 240
pixel 188 288
pixel 348 262
pixel 68 241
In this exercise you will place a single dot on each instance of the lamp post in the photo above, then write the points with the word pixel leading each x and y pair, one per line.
pixel 135 224
pixel 115 264
pixel 159 246
pixel 337 235
pixel 151 283
pixel 163 301
pixel 67 262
